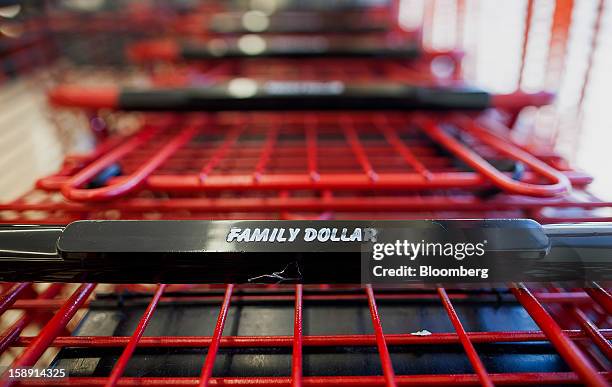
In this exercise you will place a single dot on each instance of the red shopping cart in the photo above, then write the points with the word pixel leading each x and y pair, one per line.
pixel 381 164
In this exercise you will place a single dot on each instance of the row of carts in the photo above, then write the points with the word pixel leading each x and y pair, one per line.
pixel 296 110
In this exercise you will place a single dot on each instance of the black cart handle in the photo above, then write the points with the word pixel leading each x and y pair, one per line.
pixel 298 251
pixel 316 47
pixel 243 94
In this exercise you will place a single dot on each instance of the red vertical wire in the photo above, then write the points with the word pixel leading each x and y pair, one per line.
pixel 230 140
pixel 131 346
pixel 52 329
pixel 360 154
pixel 559 35
pixel 526 31
pixel 9 298
pixel 266 152
pixel 557 53
pixel 588 327
pixel 311 148
pixel 11 334
pixel 483 375
pixel 588 75
pixel 601 297
pixel 593 332
pixel 296 359
pixel 385 358
pixel 401 148
pixel 591 58
pixel 566 348
pixel 209 363
pixel 460 24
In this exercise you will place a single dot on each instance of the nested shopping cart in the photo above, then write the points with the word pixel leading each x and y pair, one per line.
pixel 320 166
pixel 381 164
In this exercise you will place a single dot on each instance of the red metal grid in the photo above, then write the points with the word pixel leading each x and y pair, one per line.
pixel 296 165
pixel 572 344
pixel 382 151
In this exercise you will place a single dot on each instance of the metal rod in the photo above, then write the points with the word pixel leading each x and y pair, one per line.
pixel 128 351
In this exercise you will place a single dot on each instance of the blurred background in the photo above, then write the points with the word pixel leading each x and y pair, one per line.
pixel 563 46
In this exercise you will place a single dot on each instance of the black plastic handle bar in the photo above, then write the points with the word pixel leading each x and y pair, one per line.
pixel 345 21
pixel 243 94
pixel 291 251
pixel 277 47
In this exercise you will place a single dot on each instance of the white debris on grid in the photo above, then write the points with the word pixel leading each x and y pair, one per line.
pixel 422 332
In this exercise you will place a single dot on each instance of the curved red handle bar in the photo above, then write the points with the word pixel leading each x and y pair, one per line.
pixel 560 183
pixel 73 190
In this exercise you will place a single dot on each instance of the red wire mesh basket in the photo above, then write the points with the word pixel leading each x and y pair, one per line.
pixel 136 333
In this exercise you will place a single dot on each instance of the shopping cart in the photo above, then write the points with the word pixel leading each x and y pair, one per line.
pixel 302 165
pixel 270 165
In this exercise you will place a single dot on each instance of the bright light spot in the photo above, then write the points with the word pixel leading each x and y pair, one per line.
pixel 255 21
pixel 10 10
pixel 217 47
pixel 252 44
pixel 11 30
pixel 442 66
pixel 242 87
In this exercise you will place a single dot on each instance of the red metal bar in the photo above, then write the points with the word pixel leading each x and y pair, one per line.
pixel 290 158
pixel 349 294
pixel 311 148
pixel 526 32
pixel 383 351
pixel 562 20
pixel 11 334
pixel 9 298
pixel 601 296
pixel 591 57
pixel 72 190
pixel 593 332
pixel 566 348
pixel 67 95
pixel 296 359
pixel 357 149
pixel 511 379
pixel 479 368
pixel 266 153
pixel 560 183
pixel 209 363
pixel 128 351
pixel 486 130
pixel 516 101
pixel 307 341
pixel 576 297
pixel 402 149
pixel 588 327
pixel 414 202
pixel 220 153
pixel 53 328
pixel 355 181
